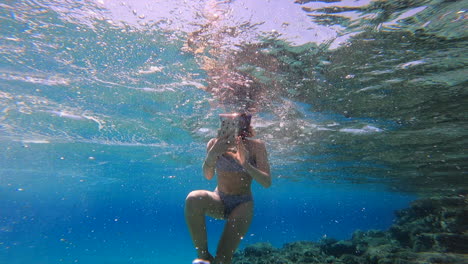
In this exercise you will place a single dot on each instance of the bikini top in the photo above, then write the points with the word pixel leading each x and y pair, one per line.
pixel 228 163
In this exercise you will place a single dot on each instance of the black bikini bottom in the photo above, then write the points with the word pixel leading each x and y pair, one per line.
pixel 230 201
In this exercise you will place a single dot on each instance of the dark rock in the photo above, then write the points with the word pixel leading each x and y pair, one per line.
pixel 338 248
pixel 350 259
pixel 401 235
pixel 456 243
pixel 374 254
pixel 455 221
pixel 423 242
pixel 442 258
pixel 432 230
pixel 259 250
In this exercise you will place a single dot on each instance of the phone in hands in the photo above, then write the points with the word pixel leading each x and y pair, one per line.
pixel 229 130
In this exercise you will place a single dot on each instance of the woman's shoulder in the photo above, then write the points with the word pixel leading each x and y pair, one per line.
pixel 257 143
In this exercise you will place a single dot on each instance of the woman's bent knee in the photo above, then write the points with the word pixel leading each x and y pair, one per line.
pixel 196 199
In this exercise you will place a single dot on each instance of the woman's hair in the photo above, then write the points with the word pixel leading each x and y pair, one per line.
pixel 245 129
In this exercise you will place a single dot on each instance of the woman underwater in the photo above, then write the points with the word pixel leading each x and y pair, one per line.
pixel 232 199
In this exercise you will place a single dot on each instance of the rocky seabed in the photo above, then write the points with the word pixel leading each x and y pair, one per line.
pixel 431 230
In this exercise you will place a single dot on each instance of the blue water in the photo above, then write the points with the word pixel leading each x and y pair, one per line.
pixel 112 210
pixel 105 115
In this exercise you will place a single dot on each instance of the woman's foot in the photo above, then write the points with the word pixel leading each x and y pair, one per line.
pixel 201 261
pixel 206 258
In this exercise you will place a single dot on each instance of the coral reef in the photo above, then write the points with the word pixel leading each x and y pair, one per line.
pixel 432 230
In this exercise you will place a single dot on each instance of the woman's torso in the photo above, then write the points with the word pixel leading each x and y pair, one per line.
pixel 232 178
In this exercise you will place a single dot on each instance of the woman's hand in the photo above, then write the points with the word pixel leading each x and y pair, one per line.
pixel 242 154
pixel 219 147
pixel 216 147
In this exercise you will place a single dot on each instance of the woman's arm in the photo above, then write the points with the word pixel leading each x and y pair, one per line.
pixel 261 173
pixel 210 161
pixel 215 148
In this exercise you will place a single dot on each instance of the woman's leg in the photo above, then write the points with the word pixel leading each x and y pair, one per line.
pixel 197 205
pixel 236 227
